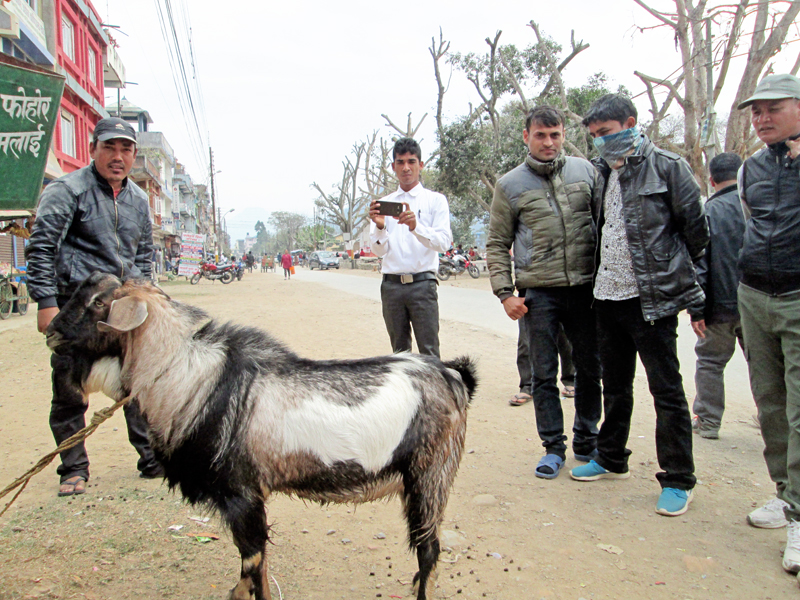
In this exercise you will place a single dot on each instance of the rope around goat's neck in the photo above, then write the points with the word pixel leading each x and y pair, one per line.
pixel 97 418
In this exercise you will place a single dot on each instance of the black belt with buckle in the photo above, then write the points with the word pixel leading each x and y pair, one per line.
pixel 409 278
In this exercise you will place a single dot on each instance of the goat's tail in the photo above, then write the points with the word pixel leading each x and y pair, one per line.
pixel 465 367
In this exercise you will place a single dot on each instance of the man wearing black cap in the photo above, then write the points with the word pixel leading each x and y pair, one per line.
pixel 769 296
pixel 93 219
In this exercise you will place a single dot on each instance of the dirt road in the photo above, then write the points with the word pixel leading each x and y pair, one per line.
pixel 509 535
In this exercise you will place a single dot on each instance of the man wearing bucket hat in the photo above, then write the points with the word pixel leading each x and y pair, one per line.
pixel 769 296
pixel 93 219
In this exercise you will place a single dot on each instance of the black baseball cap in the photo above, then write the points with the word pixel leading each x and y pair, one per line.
pixel 113 128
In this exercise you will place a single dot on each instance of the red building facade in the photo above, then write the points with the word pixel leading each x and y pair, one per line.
pixel 80 49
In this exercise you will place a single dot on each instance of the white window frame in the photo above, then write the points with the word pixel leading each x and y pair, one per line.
pixel 68 36
pixel 68 134
pixel 92 58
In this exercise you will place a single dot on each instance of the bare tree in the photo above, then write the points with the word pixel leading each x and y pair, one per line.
pixel 378 175
pixel 347 205
pixel 691 86
pixel 437 53
pixel 287 225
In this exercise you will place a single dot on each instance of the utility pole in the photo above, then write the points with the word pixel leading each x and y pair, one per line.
pixel 218 232
pixel 213 202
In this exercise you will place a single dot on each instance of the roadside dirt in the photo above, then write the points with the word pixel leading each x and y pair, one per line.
pixel 508 534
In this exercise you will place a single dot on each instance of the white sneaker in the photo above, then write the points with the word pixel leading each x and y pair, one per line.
pixel 769 516
pixel 791 555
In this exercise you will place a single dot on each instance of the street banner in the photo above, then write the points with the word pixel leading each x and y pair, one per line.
pixel 29 105
pixel 191 253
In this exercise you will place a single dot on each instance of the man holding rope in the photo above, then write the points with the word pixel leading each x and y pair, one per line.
pixel 94 219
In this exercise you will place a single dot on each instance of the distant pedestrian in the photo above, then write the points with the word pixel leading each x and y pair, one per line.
pixel 717 324
pixel 286 263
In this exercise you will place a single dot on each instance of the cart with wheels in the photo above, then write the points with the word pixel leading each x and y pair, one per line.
pixel 12 291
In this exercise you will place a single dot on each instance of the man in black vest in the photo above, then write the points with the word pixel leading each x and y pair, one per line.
pixel 769 296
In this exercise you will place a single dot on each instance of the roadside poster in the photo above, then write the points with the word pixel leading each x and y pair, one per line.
pixel 191 253
pixel 29 103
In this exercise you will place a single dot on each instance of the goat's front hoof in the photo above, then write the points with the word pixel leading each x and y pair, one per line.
pixel 243 591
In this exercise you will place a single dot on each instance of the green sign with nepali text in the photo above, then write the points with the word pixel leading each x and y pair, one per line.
pixel 29 103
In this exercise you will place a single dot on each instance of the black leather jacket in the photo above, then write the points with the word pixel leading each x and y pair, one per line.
pixel 665 226
pixel 716 270
pixel 80 228
pixel 770 188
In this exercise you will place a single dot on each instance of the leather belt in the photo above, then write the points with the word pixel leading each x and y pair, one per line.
pixel 409 278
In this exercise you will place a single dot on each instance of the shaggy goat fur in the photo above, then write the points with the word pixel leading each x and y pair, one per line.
pixel 234 416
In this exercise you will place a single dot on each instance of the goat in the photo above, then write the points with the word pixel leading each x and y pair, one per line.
pixel 235 416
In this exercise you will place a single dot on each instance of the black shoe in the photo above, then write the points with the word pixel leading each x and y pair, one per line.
pixel 156 472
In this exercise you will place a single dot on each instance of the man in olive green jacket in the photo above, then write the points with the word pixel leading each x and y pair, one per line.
pixel 544 209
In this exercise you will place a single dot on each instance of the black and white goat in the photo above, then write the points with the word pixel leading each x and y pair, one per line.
pixel 234 416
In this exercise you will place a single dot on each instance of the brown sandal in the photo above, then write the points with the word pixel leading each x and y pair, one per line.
pixel 520 399
pixel 75 486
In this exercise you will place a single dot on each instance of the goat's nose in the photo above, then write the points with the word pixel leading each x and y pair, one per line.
pixel 53 339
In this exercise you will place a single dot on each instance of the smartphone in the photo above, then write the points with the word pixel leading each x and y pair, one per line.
pixel 390 209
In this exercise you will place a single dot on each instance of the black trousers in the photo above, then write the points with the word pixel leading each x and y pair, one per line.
pixel 622 334
pixel 550 309
pixel 412 305
pixel 524 358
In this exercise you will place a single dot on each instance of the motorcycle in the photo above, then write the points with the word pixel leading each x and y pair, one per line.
pixel 209 270
pixel 239 270
pixel 450 266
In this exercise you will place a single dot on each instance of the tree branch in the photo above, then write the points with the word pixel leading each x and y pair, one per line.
pixel 437 54
pixel 665 82
pixel 660 16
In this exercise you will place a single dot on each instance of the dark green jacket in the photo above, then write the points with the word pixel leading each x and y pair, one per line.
pixel 545 211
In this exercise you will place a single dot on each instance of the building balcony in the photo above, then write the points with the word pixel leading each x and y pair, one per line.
pixel 113 69
pixel 143 167
pixel 28 31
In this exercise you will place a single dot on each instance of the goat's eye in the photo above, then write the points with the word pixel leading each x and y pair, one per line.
pixel 99 304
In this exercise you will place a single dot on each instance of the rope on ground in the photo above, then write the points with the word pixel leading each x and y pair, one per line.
pixel 97 418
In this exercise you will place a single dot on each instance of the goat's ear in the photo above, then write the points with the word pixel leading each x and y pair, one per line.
pixel 126 314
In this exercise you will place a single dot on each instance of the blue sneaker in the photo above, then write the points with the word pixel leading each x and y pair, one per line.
pixel 592 472
pixel 673 502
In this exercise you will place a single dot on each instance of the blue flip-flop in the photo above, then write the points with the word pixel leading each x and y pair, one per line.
pixel 553 462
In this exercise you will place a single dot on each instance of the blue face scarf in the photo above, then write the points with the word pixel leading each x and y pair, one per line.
pixel 618 145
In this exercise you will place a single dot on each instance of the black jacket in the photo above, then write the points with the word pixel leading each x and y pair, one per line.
pixel 716 270
pixel 769 182
pixel 80 228
pixel 665 226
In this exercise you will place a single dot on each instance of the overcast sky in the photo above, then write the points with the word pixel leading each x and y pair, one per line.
pixel 288 87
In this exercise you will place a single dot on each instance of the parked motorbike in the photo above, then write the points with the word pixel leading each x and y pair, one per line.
pixel 451 266
pixel 238 270
pixel 209 270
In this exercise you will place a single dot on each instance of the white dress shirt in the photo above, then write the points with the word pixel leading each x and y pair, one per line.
pixel 405 251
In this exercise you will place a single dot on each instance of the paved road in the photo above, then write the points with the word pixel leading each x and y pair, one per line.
pixel 480 308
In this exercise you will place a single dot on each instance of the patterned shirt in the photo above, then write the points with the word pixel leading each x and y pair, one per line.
pixel 615 279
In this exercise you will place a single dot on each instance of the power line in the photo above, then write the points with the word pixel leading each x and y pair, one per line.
pixel 186 96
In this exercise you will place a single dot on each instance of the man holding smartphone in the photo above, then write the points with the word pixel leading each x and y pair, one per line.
pixel 409 238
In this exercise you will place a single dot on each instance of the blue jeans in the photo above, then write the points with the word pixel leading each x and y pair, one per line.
pixel 548 310
pixel 623 333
